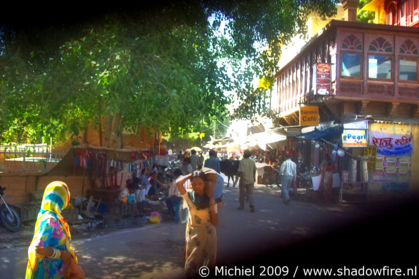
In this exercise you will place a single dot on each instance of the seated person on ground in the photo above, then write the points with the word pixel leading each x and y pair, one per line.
pixel 132 200
pixel 156 187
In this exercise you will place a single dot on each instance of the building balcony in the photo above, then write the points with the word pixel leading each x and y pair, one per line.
pixel 368 63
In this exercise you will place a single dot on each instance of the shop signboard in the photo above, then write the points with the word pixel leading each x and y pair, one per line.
pixel 391 145
pixel 354 138
pixel 323 84
pixel 309 115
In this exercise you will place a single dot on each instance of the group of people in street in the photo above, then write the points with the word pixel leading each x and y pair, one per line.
pixel 287 176
pixel 197 187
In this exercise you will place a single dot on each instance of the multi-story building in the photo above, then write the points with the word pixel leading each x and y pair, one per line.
pixel 372 73
pixel 391 12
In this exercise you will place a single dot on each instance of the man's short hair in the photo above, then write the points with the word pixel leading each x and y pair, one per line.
pixel 193 151
pixel 246 153
pixel 213 153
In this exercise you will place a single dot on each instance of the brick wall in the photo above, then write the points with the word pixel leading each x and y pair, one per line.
pixel 19 187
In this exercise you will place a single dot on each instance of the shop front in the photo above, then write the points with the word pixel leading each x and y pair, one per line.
pixel 354 165
pixel 313 146
pixel 392 163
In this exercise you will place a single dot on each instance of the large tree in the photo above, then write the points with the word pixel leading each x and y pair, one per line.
pixel 163 66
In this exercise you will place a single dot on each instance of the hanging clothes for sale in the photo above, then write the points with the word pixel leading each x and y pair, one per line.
pixel 110 168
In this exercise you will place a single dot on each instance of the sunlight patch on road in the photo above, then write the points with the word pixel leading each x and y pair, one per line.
pixel 126 267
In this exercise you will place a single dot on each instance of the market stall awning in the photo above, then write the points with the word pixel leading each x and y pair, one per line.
pixel 262 139
pixel 327 133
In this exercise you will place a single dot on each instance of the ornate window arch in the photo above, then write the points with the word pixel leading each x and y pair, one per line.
pixel 351 56
pixel 380 45
pixel 408 47
pixel 408 61
pixel 351 42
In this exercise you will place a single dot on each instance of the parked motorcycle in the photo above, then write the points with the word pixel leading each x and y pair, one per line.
pixel 8 215
pixel 304 180
pixel 303 175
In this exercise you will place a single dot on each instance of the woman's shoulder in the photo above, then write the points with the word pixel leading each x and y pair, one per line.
pixel 49 218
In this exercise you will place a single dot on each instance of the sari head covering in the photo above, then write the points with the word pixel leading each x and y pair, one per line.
pixel 51 230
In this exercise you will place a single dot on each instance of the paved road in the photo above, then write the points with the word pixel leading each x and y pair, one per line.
pixel 272 232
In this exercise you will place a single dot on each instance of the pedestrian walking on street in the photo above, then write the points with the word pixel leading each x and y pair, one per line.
pixel 289 173
pixel 50 253
pixel 194 160
pixel 186 166
pixel 247 172
pixel 213 162
pixel 201 234
pixel 326 178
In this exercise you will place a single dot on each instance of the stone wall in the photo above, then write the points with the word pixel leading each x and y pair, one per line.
pixel 20 187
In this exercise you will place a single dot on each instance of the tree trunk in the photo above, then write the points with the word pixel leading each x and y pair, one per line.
pixel 116 135
pixel 113 131
pixel 108 131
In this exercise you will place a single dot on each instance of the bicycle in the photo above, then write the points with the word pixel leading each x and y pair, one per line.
pixel 8 215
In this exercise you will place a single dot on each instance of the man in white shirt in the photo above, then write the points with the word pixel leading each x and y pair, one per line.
pixel 289 172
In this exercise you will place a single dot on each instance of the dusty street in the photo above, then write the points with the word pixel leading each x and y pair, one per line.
pixel 275 229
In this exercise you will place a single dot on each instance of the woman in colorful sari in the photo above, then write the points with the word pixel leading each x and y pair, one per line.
pixel 201 235
pixel 50 254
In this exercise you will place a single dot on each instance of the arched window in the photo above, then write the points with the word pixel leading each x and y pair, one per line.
pixel 408 61
pixel 351 56
pixel 380 59
pixel 352 42
pixel 408 47
pixel 380 45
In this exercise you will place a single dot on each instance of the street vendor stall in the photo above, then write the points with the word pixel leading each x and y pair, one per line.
pixel 318 142
pixel 109 169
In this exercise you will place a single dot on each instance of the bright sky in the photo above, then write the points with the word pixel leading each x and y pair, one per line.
pixel 223 32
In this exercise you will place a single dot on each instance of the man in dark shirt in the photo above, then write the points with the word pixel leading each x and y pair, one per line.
pixel 213 162
pixel 194 160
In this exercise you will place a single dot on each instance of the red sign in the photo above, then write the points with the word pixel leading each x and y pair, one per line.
pixel 323 79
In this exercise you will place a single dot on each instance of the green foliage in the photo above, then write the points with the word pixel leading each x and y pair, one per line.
pixel 365 16
pixel 165 68
pixel 271 23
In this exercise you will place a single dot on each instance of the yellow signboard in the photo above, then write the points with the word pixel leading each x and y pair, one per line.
pixel 309 115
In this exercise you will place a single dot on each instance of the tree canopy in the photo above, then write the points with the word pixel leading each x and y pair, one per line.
pixel 165 66
pixel 365 16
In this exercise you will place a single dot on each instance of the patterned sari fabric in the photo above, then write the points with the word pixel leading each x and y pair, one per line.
pixel 51 230
pixel 201 238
